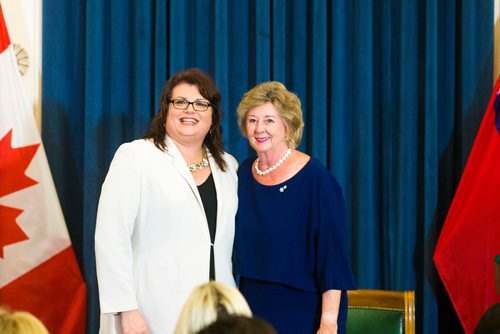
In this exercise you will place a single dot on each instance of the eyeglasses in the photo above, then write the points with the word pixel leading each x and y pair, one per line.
pixel 184 104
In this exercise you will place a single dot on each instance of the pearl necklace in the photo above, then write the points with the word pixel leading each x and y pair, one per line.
pixel 202 164
pixel 276 165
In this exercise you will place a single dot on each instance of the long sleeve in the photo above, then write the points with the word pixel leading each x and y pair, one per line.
pixel 333 268
pixel 116 216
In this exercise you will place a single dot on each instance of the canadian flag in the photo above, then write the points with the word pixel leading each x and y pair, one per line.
pixel 38 269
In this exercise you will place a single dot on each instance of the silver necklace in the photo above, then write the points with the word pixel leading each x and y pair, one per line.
pixel 194 167
pixel 276 165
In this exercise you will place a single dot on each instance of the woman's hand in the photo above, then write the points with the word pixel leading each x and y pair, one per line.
pixel 133 323
pixel 329 312
pixel 328 325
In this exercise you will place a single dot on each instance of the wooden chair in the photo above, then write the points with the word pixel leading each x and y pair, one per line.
pixel 381 311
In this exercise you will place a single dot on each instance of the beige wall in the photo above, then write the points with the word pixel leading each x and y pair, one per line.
pixel 24 22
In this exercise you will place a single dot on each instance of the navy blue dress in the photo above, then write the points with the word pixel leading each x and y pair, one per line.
pixel 290 247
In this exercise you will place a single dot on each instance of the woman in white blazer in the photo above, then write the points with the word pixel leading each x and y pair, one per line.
pixel 165 222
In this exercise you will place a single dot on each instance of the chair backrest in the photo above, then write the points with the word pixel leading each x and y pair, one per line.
pixel 381 311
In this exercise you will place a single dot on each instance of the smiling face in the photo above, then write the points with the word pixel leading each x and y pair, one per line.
pixel 188 126
pixel 265 129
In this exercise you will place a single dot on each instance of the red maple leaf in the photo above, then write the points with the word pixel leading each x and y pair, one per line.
pixel 10 232
pixel 13 164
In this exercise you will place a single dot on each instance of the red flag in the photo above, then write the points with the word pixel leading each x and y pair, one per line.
pixel 38 269
pixel 470 238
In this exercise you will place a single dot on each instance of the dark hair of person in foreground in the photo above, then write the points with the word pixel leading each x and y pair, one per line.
pixel 490 321
pixel 236 324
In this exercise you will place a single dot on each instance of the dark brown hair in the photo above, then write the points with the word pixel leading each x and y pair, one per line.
pixel 208 89
pixel 238 324
pixel 490 321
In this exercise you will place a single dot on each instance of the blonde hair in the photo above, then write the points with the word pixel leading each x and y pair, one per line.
pixel 207 303
pixel 20 323
pixel 286 103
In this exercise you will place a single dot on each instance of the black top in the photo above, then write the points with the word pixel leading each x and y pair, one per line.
pixel 208 196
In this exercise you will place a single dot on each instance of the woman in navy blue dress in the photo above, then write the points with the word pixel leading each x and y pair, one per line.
pixel 290 250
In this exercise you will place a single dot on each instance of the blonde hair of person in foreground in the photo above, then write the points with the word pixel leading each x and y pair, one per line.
pixel 207 303
pixel 20 322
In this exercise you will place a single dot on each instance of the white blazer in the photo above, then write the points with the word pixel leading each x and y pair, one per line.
pixel 152 241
